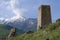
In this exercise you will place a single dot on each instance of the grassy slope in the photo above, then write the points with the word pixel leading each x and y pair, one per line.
pixel 4 30
pixel 51 32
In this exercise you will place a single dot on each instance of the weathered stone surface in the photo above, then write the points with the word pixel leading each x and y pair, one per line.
pixel 12 32
pixel 44 16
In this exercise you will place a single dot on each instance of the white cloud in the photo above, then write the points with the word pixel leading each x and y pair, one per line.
pixel 3 4
pixel 15 10
pixel 11 5
pixel 1 18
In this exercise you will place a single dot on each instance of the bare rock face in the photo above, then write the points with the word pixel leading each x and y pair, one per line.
pixel 12 32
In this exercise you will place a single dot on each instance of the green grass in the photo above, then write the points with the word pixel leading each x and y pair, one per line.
pixel 51 32
pixel 4 30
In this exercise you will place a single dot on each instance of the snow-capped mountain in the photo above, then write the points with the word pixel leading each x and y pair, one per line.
pixel 2 20
pixel 24 24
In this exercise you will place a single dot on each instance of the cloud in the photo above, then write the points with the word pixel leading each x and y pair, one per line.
pixel 1 18
pixel 11 5
pixel 15 10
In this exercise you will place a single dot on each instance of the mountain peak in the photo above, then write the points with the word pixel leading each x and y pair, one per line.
pixel 20 18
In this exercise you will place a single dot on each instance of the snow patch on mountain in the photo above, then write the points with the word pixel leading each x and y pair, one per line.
pixel 3 20
pixel 22 23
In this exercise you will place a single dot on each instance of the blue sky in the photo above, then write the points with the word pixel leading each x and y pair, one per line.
pixel 27 8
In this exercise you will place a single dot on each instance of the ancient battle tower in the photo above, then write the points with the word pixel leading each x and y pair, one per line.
pixel 44 16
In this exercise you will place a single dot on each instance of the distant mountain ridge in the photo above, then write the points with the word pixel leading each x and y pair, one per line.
pixel 24 24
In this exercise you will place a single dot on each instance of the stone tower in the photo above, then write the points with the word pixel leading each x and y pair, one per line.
pixel 44 16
